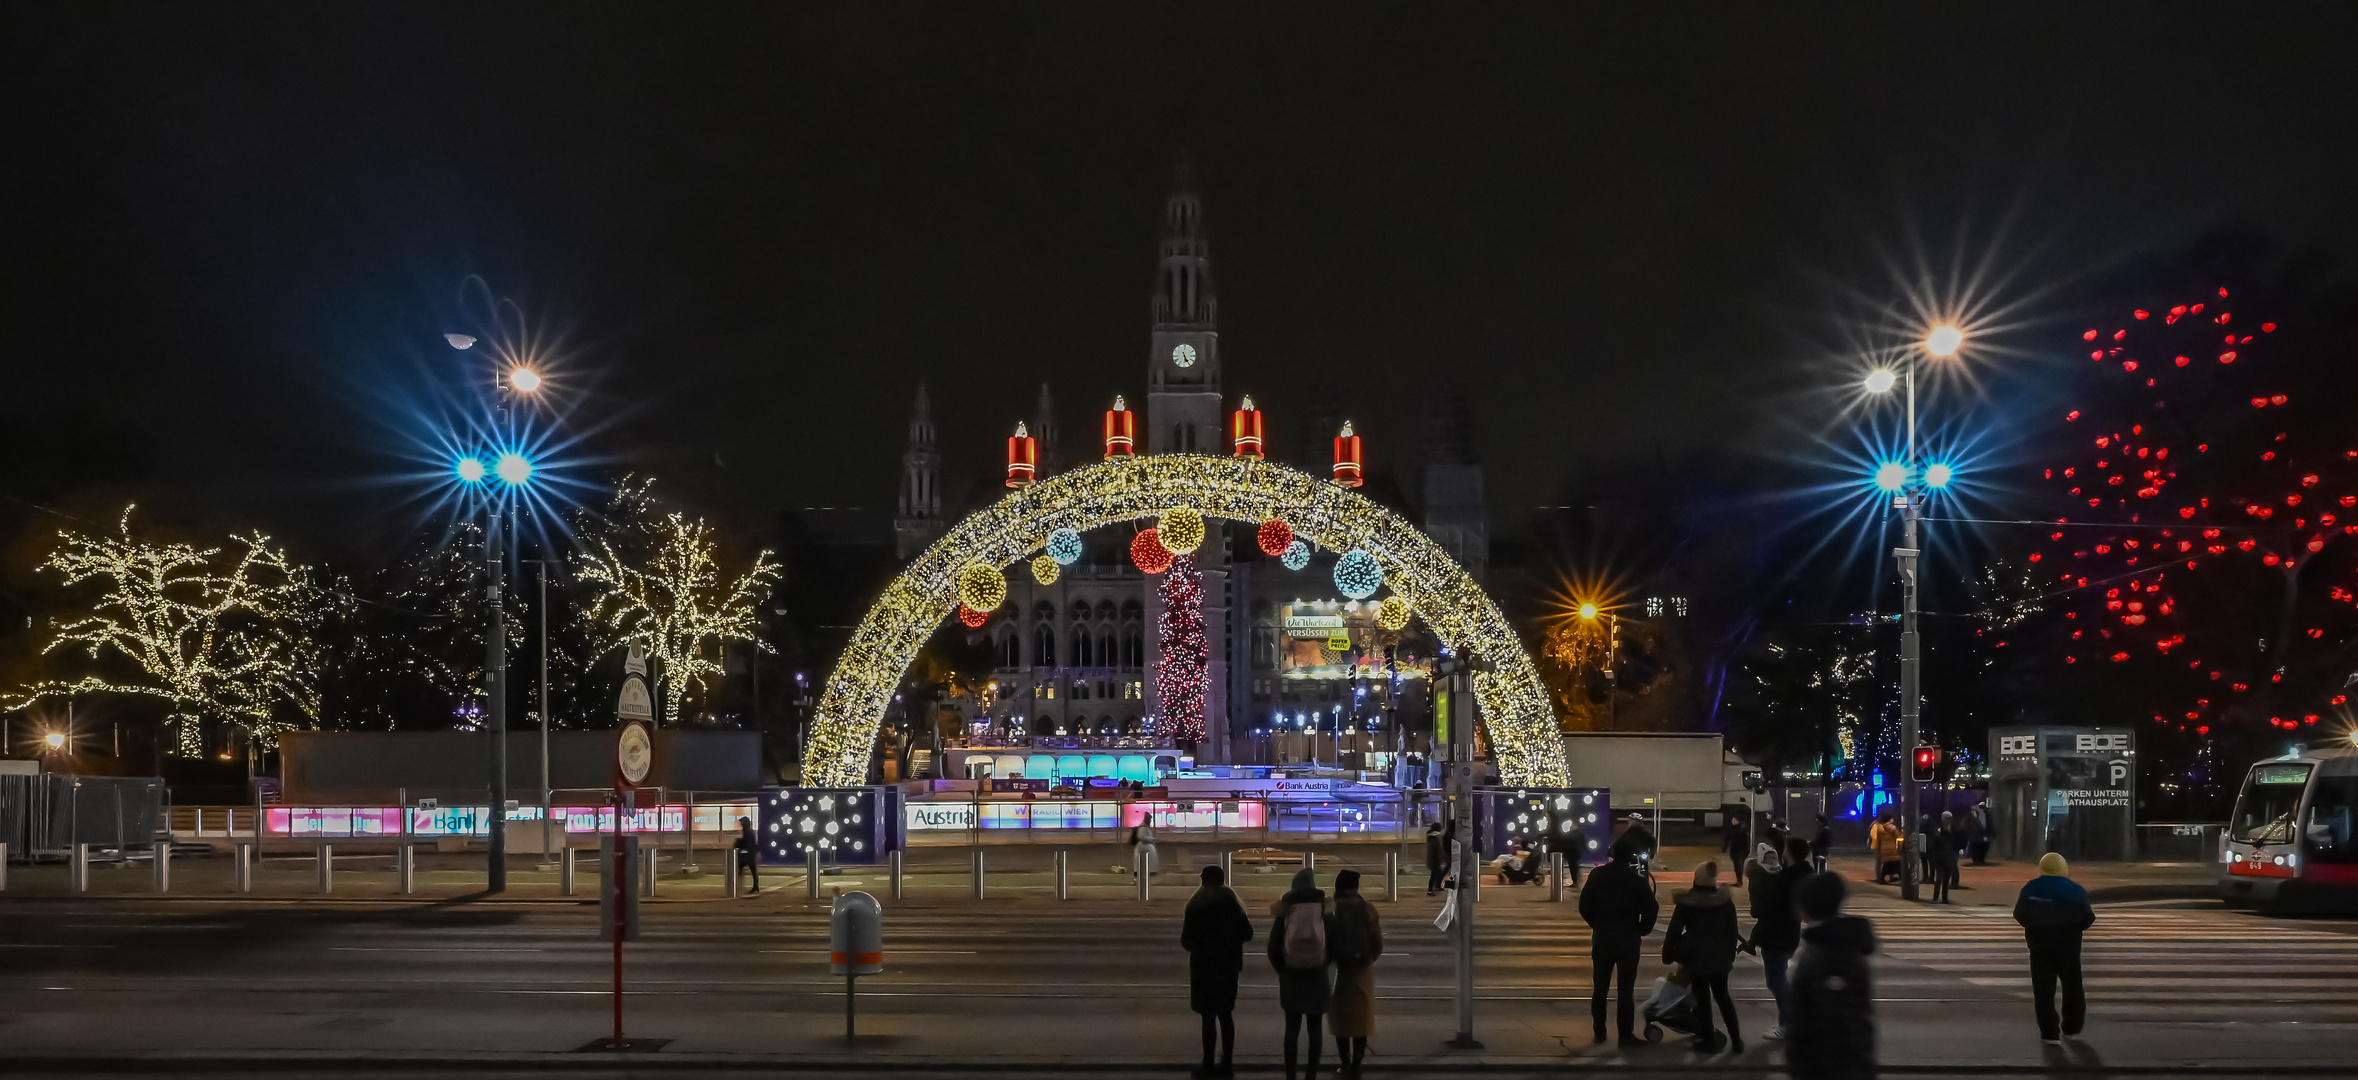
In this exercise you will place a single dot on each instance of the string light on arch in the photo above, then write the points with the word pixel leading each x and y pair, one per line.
pixel 1515 709
pixel 1357 575
pixel 1148 553
pixel 1297 556
pixel 1064 546
pixel 1181 531
pixel 981 587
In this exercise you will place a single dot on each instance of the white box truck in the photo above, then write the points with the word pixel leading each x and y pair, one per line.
pixel 1677 771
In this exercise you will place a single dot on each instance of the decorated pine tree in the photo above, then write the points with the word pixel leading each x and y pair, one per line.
pixel 1185 671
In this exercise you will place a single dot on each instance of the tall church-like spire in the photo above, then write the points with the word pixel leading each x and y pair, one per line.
pixel 917 519
pixel 1183 362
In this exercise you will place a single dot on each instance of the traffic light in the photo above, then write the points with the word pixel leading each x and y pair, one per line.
pixel 1926 764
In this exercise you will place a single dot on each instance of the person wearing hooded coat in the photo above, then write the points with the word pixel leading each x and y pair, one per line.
pixel 1303 991
pixel 1356 943
pixel 1214 932
pixel 2054 912
pixel 1776 929
pixel 1830 1026
pixel 1703 937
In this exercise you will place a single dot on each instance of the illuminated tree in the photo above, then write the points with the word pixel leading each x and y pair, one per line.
pixel 1183 673
pixel 670 598
pixel 214 635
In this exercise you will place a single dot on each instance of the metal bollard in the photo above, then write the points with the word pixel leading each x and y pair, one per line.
pixel 3 867
pixel 1228 867
pixel 649 856
pixel 896 874
pixel 81 870
pixel 1310 859
pixel 245 868
pixel 163 866
pixel 1138 864
pixel 1391 875
pixel 565 870
pixel 1555 876
pixel 405 867
pixel 1064 875
pixel 327 869
pixel 978 873
pixel 729 862
pixel 810 877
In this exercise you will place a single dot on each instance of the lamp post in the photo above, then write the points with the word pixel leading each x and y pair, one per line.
pixel 1591 613
pixel 1907 486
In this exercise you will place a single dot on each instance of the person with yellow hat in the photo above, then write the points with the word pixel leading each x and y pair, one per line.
pixel 2054 912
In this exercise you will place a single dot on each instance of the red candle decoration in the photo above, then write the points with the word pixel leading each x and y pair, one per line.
pixel 1023 457
pixel 1121 430
pixel 1347 458
pixel 1244 428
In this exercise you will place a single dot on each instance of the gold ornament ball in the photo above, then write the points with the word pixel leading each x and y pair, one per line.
pixel 1393 613
pixel 1044 570
pixel 1181 531
pixel 981 587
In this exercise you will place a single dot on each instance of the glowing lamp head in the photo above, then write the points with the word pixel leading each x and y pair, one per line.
pixel 1944 340
pixel 1881 380
pixel 1891 476
pixel 1938 476
pixel 469 470
pixel 525 380
pixel 1588 611
pixel 55 740
pixel 459 341
pixel 513 469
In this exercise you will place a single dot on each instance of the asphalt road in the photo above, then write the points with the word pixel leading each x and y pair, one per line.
pixel 1027 983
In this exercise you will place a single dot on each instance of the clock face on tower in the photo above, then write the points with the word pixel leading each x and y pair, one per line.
pixel 1184 356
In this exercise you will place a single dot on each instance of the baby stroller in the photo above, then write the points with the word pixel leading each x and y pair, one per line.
pixel 1673 1006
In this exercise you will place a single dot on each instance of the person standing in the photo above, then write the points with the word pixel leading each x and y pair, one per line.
pixel 2054 911
pixel 1620 908
pixel 1436 858
pixel 1575 846
pixel 1885 839
pixel 1214 932
pixel 1830 1029
pixel 1703 937
pixel 1357 942
pixel 1821 846
pixel 1979 832
pixel 1776 928
pixel 747 851
pixel 1641 843
pixel 1298 939
pixel 1940 849
pixel 1736 840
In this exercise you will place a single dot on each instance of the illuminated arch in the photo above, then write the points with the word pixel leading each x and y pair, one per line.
pixel 1515 707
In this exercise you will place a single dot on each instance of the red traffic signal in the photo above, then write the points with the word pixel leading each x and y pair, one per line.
pixel 1926 763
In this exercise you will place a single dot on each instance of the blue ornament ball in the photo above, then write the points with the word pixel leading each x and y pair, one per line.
pixel 1297 555
pixel 1064 546
pixel 1358 576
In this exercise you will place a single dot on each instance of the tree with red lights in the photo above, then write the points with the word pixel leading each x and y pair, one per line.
pixel 1183 673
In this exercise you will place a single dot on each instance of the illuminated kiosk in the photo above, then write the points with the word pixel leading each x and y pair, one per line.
pixel 1515 708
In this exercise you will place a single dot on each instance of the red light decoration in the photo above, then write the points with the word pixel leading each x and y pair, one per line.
pixel 1148 553
pixel 1183 672
pixel 1244 429
pixel 971 617
pixel 1023 457
pixel 1274 536
pixel 1121 430
pixel 1347 458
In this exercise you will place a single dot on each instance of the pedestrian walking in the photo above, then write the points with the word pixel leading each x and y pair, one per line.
pixel 1357 943
pixel 1214 932
pixel 1940 848
pixel 1776 928
pixel 747 852
pixel 1703 939
pixel 1735 839
pixel 1830 1030
pixel 2054 911
pixel 1885 839
pixel 1298 937
pixel 1821 846
pixel 1620 907
pixel 1436 858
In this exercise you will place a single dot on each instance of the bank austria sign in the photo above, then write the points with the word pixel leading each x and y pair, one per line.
pixel 941 815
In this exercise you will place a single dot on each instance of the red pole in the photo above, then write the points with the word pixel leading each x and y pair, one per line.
pixel 621 922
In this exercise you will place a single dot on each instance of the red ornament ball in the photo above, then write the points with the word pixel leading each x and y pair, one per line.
pixel 971 617
pixel 1275 536
pixel 1148 552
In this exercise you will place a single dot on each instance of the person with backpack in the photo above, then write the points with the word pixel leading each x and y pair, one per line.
pixel 1357 943
pixel 1830 1028
pixel 1297 949
pixel 1703 938
pixel 1620 907
pixel 1214 932
pixel 2054 911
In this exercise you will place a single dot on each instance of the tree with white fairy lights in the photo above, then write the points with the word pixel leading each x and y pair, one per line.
pixel 1183 674
pixel 666 593
pixel 215 635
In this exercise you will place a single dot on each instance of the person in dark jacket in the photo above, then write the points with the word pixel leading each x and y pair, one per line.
pixel 2054 911
pixel 1302 989
pixel 1776 928
pixel 1830 1030
pixel 1358 942
pixel 1641 843
pixel 1619 906
pixel 1214 933
pixel 1822 845
pixel 1436 858
pixel 1575 846
pixel 1978 832
pixel 1703 938
pixel 747 851
pixel 1940 849
pixel 1735 840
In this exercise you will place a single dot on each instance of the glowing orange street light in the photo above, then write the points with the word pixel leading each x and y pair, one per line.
pixel 1944 340
pixel 55 739
pixel 1589 612
pixel 524 379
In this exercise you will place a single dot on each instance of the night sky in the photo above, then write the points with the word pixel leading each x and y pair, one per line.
pixel 235 233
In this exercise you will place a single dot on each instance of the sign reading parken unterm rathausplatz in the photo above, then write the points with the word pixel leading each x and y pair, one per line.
pixel 1514 705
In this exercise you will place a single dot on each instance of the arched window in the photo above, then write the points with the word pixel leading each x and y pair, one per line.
pixel 1264 649
pixel 1105 611
pixel 1132 611
pixel 1106 657
pixel 1044 647
pixel 1134 650
pixel 1044 612
pixel 1081 651
pixel 1010 654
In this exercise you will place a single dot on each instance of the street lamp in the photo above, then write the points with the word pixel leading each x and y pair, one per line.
pixel 1590 613
pixel 55 740
pixel 1897 478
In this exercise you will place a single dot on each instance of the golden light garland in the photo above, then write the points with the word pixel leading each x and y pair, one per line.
pixel 1515 706
pixel 1181 531
pixel 981 587
pixel 1045 571
pixel 674 602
